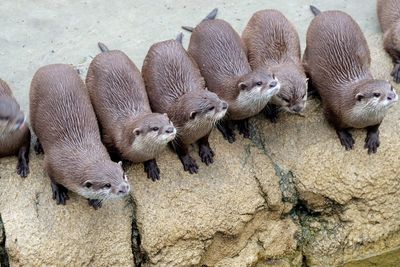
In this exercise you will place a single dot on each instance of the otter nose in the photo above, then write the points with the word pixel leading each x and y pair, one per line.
pixel 273 84
pixel 391 96
pixel 124 189
pixel 224 105
pixel 297 108
pixel 170 130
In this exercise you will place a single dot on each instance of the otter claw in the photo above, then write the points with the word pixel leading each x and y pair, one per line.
pixel 372 143
pixel 22 169
pixel 396 73
pixel 152 170
pixel 346 139
pixel 271 112
pixel 244 128
pixel 189 164
pixel 38 147
pixel 206 155
pixel 60 193
pixel 95 203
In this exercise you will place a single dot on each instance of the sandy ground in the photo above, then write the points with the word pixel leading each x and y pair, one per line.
pixel 41 32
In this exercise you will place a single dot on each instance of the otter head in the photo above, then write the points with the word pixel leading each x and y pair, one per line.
pixel 375 97
pixel 104 180
pixel 152 130
pixel 257 87
pixel 11 117
pixel 292 96
pixel 199 108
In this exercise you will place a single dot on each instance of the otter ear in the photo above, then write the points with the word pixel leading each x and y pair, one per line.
pixel 307 80
pixel 206 88
pixel 137 131
pixel 120 163
pixel 242 85
pixel 193 115
pixel 88 184
pixel 359 96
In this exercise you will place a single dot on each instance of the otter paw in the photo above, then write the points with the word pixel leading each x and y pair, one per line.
pixel 95 203
pixel 22 169
pixel 152 170
pixel 372 143
pixel 346 139
pixel 206 154
pixel 60 193
pixel 244 128
pixel 271 112
pixel 189 164
pixel 227 132
pixel 38 147
pixel 396 73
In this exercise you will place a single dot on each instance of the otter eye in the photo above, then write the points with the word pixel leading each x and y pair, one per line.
pixel 212 108
pixel 155 128
pixel 108 185
pixel 259 83
pixel 88 185
pixel 285 99
pixel 377 94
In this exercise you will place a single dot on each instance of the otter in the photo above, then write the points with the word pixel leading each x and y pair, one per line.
pixel 175 86
pixel 15 136
pixel 65 124
pixel 389 18
pixel 337 60
pixel 220 54
pixel 129 128
pixel 272 43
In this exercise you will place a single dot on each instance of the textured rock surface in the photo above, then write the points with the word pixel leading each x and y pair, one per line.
pixel 290 196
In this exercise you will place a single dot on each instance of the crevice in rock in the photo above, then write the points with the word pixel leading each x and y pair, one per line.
pixel 4 261
pixel 139 254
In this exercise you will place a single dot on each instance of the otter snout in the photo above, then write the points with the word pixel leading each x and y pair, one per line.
pixel 170 130
pixel 124 189
pixel 20 122
pixel 392 96
pixel 273 87
pixel 224 105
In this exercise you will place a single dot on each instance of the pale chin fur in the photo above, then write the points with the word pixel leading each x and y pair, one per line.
pixel 371 112
pixel 151 142
pixel 167 137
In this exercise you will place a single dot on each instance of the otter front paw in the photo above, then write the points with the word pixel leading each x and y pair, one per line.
pixel 346 139
pixel 206 154
pixel 38 147
pixel 372 142
pixel 396 73
pixel 271 112
pixel 152 170
pixel 189 164
pixel 95 203
pixel 244 129
pixel 22 169
pixel 227 132
pixel 60 193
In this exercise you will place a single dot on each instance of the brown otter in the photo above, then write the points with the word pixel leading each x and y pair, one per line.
pixel 64 122
pixel 272 43
pixel 120 102
pixel 389 18
pixel 175 86
pixel 221 57
pixel 337 60
pixel 15 136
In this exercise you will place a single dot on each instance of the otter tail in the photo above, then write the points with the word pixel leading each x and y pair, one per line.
pixel 179 38
pixel 315 10
pixel 210 16
pixel 103 47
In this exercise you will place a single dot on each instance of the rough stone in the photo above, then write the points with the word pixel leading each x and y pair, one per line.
pixel 291 196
